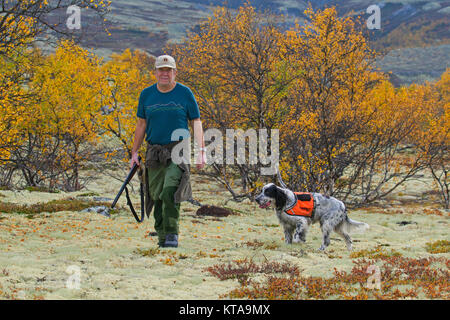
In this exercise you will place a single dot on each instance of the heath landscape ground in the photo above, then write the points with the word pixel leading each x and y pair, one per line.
pixel 72 254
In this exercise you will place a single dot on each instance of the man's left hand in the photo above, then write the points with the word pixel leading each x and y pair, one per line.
pixel 201 160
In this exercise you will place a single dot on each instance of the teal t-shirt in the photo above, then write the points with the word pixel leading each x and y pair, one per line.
pixel 166 112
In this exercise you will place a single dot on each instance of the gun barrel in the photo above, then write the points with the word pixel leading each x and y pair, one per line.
pixel 118 196
pixel 127 180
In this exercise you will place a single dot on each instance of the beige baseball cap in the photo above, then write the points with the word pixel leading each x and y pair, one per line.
pixel 165 61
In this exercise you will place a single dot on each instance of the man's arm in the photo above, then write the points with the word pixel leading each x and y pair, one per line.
pixel 139 135
pixel 196 124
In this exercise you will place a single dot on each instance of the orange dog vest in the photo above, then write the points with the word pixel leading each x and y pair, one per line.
pixel 304 206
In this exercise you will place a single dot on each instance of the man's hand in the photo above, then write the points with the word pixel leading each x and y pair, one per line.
pixel 139 135
pixel 198 136
pixel 201 160
pixel 134 159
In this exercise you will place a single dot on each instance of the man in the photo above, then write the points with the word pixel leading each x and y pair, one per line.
pixel 163 108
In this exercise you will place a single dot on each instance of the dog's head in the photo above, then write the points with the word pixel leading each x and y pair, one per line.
pixel 271 194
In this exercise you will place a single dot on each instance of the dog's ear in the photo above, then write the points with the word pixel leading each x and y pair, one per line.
pixel 275 193
pixel 280 199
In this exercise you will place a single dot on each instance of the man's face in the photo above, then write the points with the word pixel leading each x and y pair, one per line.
pixel 165 75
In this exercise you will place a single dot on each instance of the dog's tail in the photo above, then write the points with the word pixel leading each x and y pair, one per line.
pixel 353 226
pixel 280 179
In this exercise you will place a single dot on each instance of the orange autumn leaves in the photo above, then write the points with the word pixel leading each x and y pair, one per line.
pixel 63 106
pixel 21 229
pixel 316 83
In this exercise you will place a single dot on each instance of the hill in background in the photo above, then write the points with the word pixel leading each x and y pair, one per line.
pixel 150 25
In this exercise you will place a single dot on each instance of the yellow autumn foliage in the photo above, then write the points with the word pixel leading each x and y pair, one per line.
pixel 13 99
pixel 341 123
pixel 126 75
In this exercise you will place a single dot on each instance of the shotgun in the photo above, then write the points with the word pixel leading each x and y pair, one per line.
pixel 124 187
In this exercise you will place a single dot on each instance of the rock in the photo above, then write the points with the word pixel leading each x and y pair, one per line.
pixel 100 210
pixel 102 199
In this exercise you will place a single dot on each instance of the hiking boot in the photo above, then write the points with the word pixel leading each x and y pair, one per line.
pixel 171 240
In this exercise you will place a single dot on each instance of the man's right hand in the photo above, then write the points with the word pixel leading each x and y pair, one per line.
pixel 139 135
pixel 134 159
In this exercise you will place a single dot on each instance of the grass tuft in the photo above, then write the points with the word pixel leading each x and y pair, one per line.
pixel 440 246
pixel 67 204
pixel 376 253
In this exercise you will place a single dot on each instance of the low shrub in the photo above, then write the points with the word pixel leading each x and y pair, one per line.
pixel 67 204
pixel 399 278
pixel 440 246
pixel 376 253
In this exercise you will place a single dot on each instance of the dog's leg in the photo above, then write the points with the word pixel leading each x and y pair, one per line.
pixel 326 230
pixel 346 236
pixel 341 230
pixel 288 235
pixel 348 241
pixel 325 241
pixel 300 231
pixel 330 222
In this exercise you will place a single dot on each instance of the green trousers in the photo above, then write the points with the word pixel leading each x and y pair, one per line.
pixel 163 182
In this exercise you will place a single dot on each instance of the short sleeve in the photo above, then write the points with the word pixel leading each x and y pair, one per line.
pixel 192 106
pixel 140 109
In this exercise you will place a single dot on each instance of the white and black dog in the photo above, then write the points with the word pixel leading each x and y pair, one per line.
pixel 329 211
